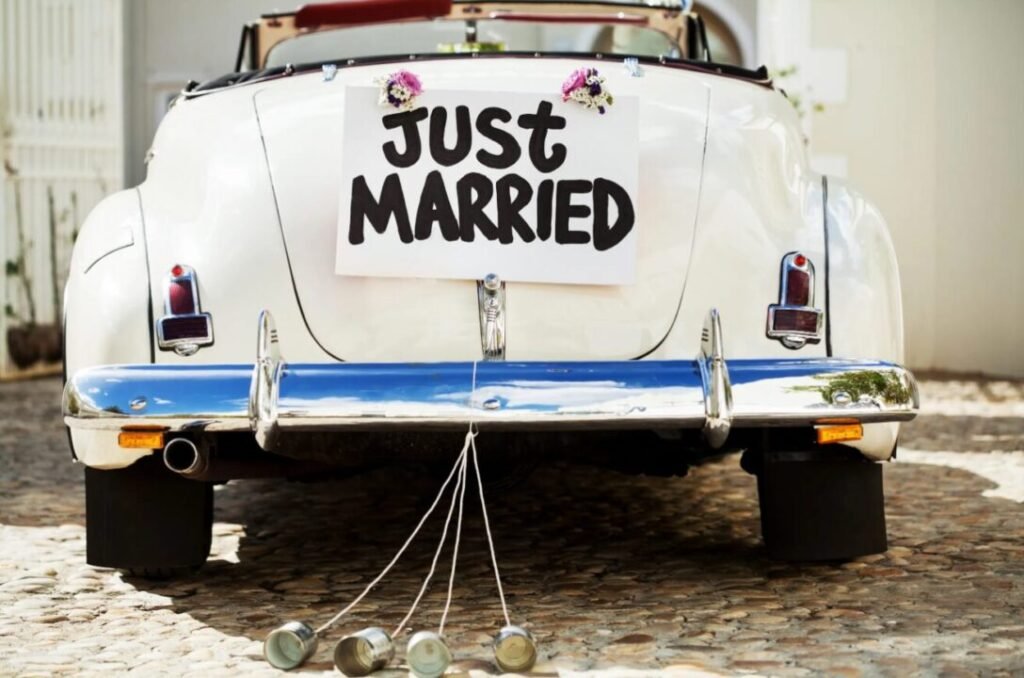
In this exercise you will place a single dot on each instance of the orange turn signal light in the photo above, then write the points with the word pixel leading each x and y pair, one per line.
pixel 141 439
pixel 839 433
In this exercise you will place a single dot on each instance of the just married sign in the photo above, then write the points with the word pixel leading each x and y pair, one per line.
pixel 470 183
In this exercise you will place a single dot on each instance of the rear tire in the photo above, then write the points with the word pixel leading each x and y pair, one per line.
pixel 147 520
pixel 820 504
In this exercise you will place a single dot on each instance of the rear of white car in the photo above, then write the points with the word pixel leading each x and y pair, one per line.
pixel 288 284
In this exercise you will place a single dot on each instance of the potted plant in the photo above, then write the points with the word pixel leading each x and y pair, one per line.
pixel 22 344
pixel 48 336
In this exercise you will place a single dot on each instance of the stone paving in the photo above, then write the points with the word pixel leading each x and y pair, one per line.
pixel 615 575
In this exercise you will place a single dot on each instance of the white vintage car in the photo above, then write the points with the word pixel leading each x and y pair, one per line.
pixel 556 220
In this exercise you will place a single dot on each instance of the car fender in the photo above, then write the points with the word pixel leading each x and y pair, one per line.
pixel 865 312
pixel 107 315
pixel 864 304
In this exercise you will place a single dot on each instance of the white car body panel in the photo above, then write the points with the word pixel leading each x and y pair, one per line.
pixel 381 319
pixel 725 216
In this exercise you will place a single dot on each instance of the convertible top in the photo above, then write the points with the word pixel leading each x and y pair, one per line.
pixel 760 76
pixel 671 17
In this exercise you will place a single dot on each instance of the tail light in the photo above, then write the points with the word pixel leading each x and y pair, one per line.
pixel 794 321
pixel 184 328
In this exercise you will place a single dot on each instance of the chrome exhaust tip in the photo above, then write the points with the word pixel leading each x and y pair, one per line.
pixel 183 457
pixel 428 655
pixel 515 650
pixel 362 653
pixel 290 645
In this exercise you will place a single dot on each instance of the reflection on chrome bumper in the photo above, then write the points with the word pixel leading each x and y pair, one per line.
pixel 273 397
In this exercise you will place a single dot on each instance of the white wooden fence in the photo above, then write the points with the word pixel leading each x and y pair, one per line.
pixel 61 133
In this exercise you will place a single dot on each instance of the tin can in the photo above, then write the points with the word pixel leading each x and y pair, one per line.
pixel 514 650
pixel 290 645
pixel 362 653
pixel 428 655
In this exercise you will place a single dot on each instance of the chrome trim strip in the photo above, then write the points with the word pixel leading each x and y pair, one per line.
pixel 490 294
pixel 265 385
pixel 715 377
pixel 119 239
pixel 106 254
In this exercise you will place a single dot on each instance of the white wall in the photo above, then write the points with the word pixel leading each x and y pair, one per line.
pixel 60 132
pixel 173 41
pixel 924 110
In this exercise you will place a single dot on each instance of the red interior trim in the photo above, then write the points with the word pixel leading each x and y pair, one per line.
pixel 354 12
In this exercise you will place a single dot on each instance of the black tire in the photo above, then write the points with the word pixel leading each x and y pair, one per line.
pixel 160 573
pixel 820 505
pixel 147 520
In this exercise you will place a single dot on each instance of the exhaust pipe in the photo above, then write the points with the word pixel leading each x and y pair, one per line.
pixel 183 457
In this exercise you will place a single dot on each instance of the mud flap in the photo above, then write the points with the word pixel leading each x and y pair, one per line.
pixel 144 516
pixel 821 505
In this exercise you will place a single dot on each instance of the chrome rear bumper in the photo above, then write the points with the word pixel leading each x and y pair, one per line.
pixel 273 397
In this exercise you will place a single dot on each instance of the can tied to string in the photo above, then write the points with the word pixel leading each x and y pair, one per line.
pixel 428 655
pixel 290 645
pixel 362 653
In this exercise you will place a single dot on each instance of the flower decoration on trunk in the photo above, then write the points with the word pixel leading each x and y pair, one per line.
pixel 399 90
pixel 586 86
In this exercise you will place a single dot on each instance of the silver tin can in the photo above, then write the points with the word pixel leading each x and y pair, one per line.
pixel 362 653
pixel 514 650
pixel 290 645
pixel 428 655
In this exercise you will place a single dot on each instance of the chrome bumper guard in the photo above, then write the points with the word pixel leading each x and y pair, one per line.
pixel 273 397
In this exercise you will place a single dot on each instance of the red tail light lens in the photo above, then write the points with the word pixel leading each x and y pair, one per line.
pixel 798 287
pixel 180 297
pixel 796 320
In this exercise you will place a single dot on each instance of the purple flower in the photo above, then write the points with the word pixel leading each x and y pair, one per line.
pixel 407 80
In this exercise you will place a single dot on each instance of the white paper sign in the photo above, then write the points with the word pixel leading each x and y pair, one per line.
pixel 469 183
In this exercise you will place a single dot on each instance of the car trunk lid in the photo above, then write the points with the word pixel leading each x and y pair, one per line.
pixel 554 316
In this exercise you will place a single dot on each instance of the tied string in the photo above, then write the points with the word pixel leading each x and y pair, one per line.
pixel 460 488
pixel 458 496
pixel 470 438
pixel 458 493
pixel 333 620
pixel 487 529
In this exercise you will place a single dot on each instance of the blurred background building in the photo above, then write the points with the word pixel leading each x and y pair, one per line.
pixel 919 103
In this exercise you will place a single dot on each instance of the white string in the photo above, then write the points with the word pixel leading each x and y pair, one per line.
pixel 487 529
pixel 398 555
pixel 463 457
pixel 458 535
pixel 460 490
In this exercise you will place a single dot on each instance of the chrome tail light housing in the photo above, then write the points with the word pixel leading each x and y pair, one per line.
pixel 794 321
pixel 183 328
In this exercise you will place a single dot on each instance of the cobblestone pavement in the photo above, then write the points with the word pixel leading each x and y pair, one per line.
pixel 614 574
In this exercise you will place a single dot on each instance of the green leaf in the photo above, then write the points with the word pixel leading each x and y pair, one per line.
pixel 12 268
pixel 9 311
